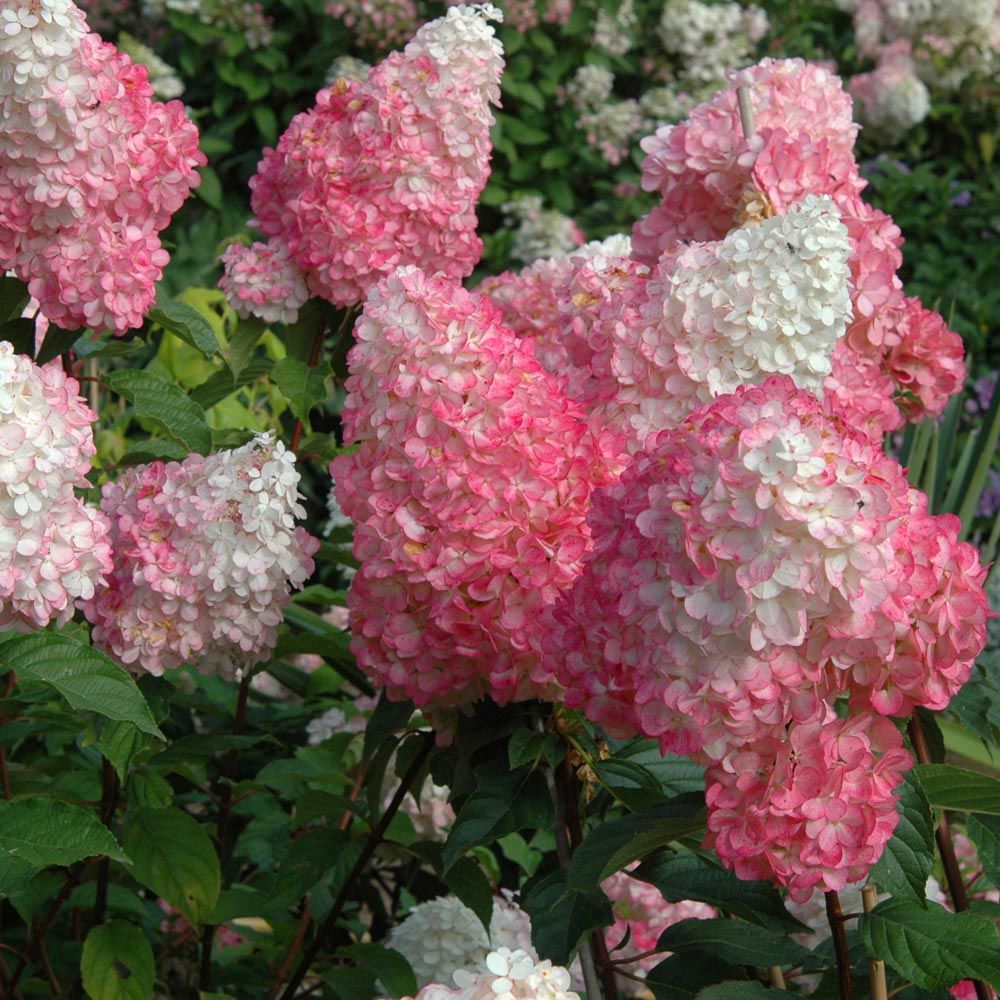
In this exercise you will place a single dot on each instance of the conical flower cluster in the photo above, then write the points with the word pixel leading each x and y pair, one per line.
pixel 206 553
pixel 54 550
pixel 91 168
pixel 386 171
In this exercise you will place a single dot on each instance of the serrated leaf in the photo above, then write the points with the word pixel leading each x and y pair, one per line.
pixel 85 677
pixel 984 831
pixel 46 832
pixel 909 856
pixel 120 742
pixel 467 881
pixel 686 875
pixel 223 383
pixel 301 385
pixel 117 963
pixel 172 854
pixel 153 450
pixel 164 405
pixel 15 873
pixel 613 845
pixel 734 941
pixel 186 322
pixel 932 947
pixel 950 787
pixel 561 915
pixel 57 341
pixel 392 969
pixel 306 862
pixel 243 343
pixel 682 977
pixel 504 802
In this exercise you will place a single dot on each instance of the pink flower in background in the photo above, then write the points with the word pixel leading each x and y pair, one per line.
pixel 206 554
pixel 381 24
pixel 811 809
pixel 469 492
pixel 891 99
pixel 93 168
pixel 260 280
pixel 54 550
pixel 388 171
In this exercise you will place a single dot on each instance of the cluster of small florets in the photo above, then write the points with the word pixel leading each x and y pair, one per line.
pixel 347 67
pixel 539 232
pixel 608 123
pixel 387 171
pixel 707 39
pixel 946 40
pixel 614 33
pixel 261 280
pixel 206 553
pixel 523 15
pixel 469 494
pixel 380 24
pixel 712 178
pixel 91 169
pixel 748 568
pixel 509 975
pixel 890 99
pixel 443 936
pixel 54 550
pixel 163 77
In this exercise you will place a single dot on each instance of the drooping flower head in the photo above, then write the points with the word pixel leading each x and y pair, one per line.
pixel 206 554
pixel 54 549
pixel 387 171
pixel 91 169
pixel 469 494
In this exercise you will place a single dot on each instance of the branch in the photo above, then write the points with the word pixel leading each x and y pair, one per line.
pixel 836 919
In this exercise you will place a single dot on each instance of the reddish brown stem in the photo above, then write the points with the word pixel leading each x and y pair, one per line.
pixel 946 848
pixel 4 774
pixel 836 918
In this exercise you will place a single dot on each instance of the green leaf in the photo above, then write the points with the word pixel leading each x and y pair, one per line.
pixel 740 990
pixel 389 718
pixel 391 968
pixel 187 323
pixel 682 977
pixel 57 342
pixel 153 450
pixel 305 863
pixel 210 188
pixel 172 854
pixel 301 385
pixel 13 298
pixel 15 873
pixel 118 963
pixel 686 875
pixel 242 344
pixel 984 831
pixel 932 947
pixel 467 880
pixel 909 856
pixel 165 406
pixel 85 677
pixel 561 915
pixel 20 333
pixel 120 742
pixel 504 802
pixel 949 787
pixel 733 941
pixel 45 832
pixel 266 121
pixel 223 383
pixel 613 845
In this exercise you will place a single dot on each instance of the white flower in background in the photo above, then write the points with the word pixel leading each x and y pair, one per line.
pixel 509 975
pixel 590 87
pixel 611 128
pixel 347 68
pixel 163 77
pixel 540 232
pixel 615 33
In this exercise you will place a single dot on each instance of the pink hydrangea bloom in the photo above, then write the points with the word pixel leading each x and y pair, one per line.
pixel 260 280
pixel 206 553
pixel 469 494
pixel 54 550
pixel 748 567
pixel 91 170
pixel 891 99
pixel 382 24
pixel 810 808
pixel 388 171
pixel 643 914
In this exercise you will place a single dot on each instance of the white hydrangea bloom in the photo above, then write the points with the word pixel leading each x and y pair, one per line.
pixel 590 87
pixel 897 109
pixel 540 232
pixel 37 41
pixel 772 298
pixel 349 68
pixel 611 128
pixel 509 975
pixel 443 937
pixel 465 49
pixel 615 33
